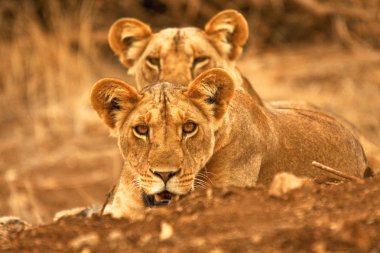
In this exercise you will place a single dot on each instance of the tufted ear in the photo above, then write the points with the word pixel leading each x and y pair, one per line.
pixel 128 38
pixel 113 100
pixel 228 31
pixel 212 92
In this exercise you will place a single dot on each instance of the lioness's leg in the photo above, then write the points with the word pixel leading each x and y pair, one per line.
pixel 127 201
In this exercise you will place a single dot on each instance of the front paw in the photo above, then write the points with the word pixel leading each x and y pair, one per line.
pixel 78 212
pixel 13 224
pixel 125 212
pixel 10 225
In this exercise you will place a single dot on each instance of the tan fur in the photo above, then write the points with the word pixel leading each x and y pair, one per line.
pixel 238 141
pixel 178 50
pixel 221 41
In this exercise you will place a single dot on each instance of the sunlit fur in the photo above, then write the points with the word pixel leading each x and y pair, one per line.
pixel 165 109
pixel 221 40
pixel 220 44
pixel 238 142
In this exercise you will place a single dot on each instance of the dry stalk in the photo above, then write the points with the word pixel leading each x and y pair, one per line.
pixel 343 33
pixel 322 9
pixel 37 209
pixel 85 196
pixel 109 195
pixel 17 201
pixel 336 172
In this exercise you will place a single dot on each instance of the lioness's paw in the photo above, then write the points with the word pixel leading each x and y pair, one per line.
pixel 78 212
pixel 13 224
pixel 9 225
pixel 128 213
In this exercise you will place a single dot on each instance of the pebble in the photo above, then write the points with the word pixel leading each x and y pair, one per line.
pixel 87 240
pixel 284 182
pixel 166 231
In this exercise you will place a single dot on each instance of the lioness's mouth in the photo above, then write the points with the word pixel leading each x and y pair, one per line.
pixel 160 199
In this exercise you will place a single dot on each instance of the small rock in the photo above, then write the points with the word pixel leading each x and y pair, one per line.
pixel 115 235
pixel 82 241
pixel 256 238
pixel 198 242
pixel 336 226
pixel 319 247
pixel 166 231
pixel 284 182
pixel 145 239
pixel 217 250
pixel 86 250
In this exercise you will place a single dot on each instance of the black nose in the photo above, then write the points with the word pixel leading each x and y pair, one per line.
pixel 165 175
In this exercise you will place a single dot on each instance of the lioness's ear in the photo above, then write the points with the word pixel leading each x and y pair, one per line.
pixel 113 100
pixel 228 31
pixel 212 91
pixel 128 38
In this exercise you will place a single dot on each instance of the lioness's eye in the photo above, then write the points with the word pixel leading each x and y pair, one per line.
pixel 198 60
pixel 141 129
pixel 189 127
pixel 155 61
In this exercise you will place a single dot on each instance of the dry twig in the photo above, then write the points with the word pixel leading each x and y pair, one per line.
pixel 336 172
pixel 109 194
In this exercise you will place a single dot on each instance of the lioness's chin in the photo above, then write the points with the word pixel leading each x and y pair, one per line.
pixel 161 199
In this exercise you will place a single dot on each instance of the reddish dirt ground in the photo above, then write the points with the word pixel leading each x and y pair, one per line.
pixel 316 218
pixel 41 178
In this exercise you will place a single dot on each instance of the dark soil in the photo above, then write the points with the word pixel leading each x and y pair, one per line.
pixel 321 52
pixel 316 218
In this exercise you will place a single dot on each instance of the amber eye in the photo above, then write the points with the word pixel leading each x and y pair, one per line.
pixel 189 127
pixel 155 61
pixel 201 59
pixel 141 129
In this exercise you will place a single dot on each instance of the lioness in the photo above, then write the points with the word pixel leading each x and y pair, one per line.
pixel 178 55
pixel 172 137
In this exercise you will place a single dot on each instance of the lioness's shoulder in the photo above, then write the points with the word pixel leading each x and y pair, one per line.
pixel 306 112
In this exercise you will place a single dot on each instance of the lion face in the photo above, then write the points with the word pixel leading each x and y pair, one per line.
pixel 179 61
pixel 166 133
pixel 166 140
pixel 178 55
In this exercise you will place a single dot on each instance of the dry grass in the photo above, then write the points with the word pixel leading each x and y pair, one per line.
pixel 46 73
pixel 48 66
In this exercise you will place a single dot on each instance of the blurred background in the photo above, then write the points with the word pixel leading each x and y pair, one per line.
pixel 54 151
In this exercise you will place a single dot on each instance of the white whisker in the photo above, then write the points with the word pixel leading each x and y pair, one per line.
pixel 203 175
pixel 200 184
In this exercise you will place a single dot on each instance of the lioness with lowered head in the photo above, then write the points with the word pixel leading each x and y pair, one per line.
pixel 178 55
pixel 171 137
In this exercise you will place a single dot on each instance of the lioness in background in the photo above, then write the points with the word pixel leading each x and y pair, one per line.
pixel 172 137
pixel 178 55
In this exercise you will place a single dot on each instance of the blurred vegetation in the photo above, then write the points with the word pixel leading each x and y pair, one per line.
pixel 53 51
